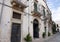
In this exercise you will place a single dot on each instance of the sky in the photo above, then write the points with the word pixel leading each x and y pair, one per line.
pixel 54 6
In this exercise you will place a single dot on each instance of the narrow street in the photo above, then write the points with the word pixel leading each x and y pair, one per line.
pixel 55 38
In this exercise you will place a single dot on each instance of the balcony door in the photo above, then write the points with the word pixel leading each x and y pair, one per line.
pixel 16 32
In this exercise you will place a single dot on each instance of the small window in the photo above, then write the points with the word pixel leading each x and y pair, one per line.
pixel 16 15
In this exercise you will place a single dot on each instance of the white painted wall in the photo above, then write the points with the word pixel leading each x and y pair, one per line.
pixel 7 19
pixel 6 24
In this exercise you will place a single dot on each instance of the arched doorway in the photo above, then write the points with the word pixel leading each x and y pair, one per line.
pixel 35 28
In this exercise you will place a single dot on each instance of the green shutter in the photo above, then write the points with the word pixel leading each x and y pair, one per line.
pixel 35 6
pixel 43 12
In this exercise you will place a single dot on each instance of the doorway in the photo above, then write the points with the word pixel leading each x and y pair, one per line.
pixel 16 32
pixel 35 28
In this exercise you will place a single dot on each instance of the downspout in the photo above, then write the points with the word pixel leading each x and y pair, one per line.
pixel 28 18
pixel 1 11
pixel 1 17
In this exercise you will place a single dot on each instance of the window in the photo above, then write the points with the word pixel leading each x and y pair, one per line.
pixel 35 6
pixel 44 12
pixel 16 15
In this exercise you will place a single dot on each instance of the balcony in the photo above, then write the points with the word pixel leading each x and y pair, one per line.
pixel 19 3
pixel 37 10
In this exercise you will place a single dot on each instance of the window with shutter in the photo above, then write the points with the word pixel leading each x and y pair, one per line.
pixel 44 12
pixel 35 6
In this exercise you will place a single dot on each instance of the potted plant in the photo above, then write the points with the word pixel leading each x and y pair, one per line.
pixel 28 38
pixel 49 33
pixel 44 34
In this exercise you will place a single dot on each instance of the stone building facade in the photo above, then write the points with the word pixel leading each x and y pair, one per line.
pixel 20 17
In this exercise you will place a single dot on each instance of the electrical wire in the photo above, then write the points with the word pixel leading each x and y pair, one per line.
pixel 23 12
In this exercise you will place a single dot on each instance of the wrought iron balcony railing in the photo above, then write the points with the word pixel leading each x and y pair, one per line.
pixel 38 10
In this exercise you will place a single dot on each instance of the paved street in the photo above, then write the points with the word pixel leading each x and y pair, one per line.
pixel 55 38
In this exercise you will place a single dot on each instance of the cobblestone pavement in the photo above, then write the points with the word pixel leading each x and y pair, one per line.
pixel 55 38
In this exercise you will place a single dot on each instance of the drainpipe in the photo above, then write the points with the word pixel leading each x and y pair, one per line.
pixel 28 17
pixel 1 10
pixel 1 16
